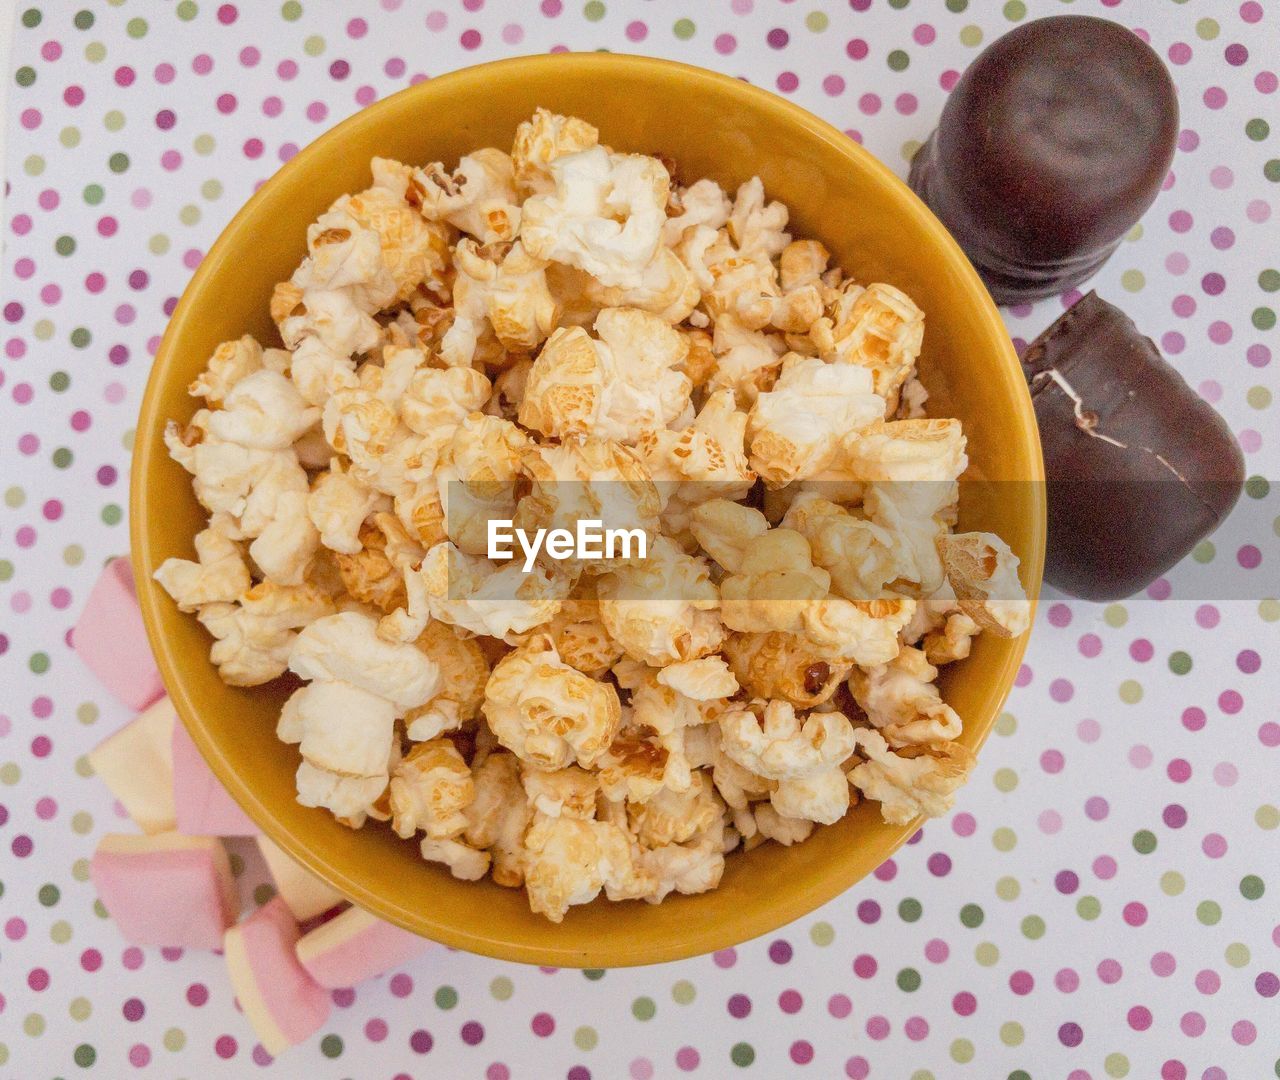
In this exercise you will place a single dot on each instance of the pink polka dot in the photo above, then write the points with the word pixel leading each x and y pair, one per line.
pixel 833 85
pixel 1140 756
pixel 787 81
pixel 1269 734
pixel 1225 774
pixel 164 74
pixel 1243 1032
pixel 637 30
pixel 1135 913
pixel 249 56
pixel 1192 1024
pixel 725 958
pixel 1215 97
pixel 1258 211
pixel 924 34
pixel 470 39
pixel 1067 981
pixel 1049 821
pixel 906 104
pixel 963 824
pixel 1214 845
pixel 1096 808
pixel 1193 718
pixel 839 1006
pixel 1210 390
pixel 936 951
pixel 1104 867
pixel 641 1069
pixel 202 64
pixel 1179 770
pixel 1163 964
pixel 725 44
pixel 1052 761
pixel 1139 1018
pixel 916 1028
pixel 869 104
pixel 1179 52
pixel 877 1027
pixel 1208 982
pixel 1088 730
pixel 687 1058
pixel 317 111
pixel 1230 702
pixel 1090 645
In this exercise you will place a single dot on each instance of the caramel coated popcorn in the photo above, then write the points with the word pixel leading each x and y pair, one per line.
pixel 557 333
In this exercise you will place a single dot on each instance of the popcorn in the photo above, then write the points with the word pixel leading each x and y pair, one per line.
pixel 901 700
pixel 795 429
pixel 547 713
pixel 911 783
pixel 559 336
pixel 605 215
pixel 430 789
pixel 612 388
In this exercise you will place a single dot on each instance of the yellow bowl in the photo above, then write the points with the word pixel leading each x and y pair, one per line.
pixel 712 126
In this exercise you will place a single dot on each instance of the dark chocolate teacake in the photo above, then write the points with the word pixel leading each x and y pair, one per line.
pixel 1055 141
pixel 1140 468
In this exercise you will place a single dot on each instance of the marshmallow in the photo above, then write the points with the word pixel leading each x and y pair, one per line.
pixel 167 889
pixel 136 763
pixel 112 641
pixel 203 806
pixel 279 999
pixel 356 946
pixel 303 893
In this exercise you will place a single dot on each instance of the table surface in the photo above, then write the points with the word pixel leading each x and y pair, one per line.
pixel 1103 900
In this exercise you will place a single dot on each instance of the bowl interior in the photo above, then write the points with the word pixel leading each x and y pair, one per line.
pixel 712 126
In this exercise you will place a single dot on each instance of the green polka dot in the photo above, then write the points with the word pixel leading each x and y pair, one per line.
pixel 62 458
pixel 910 909
pixel 80 337
pixel 1011 1033
pixel 80 1009
pixel 331 1046
pixel 593 11
pixel 69 137
pixel 816 21
pixel 1022 1074
pixel 136 28
pixel 82 766
pixel 585 1038
pixel 291 10
pixel 987 954
pixel 1088 908
pixel 1015 10
pixel 682 993
pixel 1257 129
pixel 126 440
pixel 314 45
pixel 822 933
pixel 33 1025
pixel 1033 927
pixel 1130 692
pixel 86 712
pixel 1004 839
pixel 85 1055
pixel 446 997
pixel 6 570
pixel 1005 780
pixel 31 18
pixel 1115 615
pixel 1267 817
pixel 10 774
pixel 683 29
pixel 971 36
pixel 742 1054
pixel 971 915
pixel 33 165
pixel 95 52
pixel 1006 724
pixel 1117 1066
pixel 1252 887
pixel 1237 954
pixel 83 20
pixel 1204 552
pixel 898 60
pixel 1206 29
pixel 1264 318
pixel 1269 280
pixel 962 1051
pixel 1134 234
pixel 908 980
pixel 189 214
pixel 111 514
pixel 263 893
pixel 73 555
pixel 643 1008
pixel 174 1040
pixel 211 189
pixel 957 6
pixel 501 988
pixel 24 76
pixel 14 497
pixel 100 910
pixel 899 5
pixel 39 662
pixel 204 145
pixel 186 11
pixel 922 1074
pixel 158 244
pixel 118 162
pixel 49 894
pixel 910 149
pixel 1132 280
pixel 1258 397
pixel 1257 487
pixel 114 120
pixel 43 329
pixel 1172 883
pixel 81 822
pixel 1007 888
pixel 593 974
pixel 1209 912
pixel 1144 841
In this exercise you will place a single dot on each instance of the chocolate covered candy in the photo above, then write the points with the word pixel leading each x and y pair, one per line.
pixel 1139 467
pixel 1051 146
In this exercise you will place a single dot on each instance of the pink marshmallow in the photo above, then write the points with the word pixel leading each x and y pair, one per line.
pixel 355 946
pixel 136 763
pixel 278 997
pixel 202 804
pixel 112 641
pixel 303 893
pixel 166 889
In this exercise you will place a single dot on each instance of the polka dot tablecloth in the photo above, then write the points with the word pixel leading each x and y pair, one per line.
pixel 1103 900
